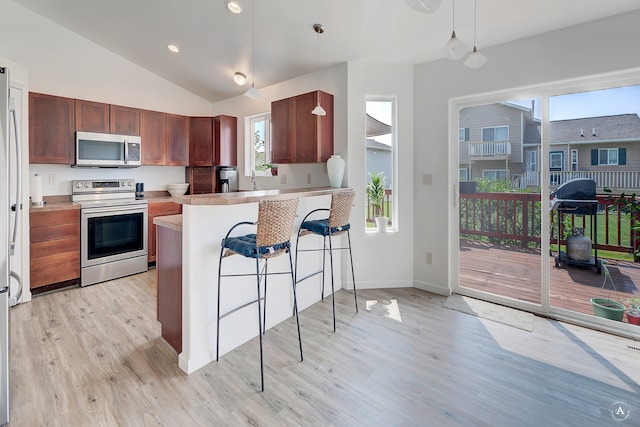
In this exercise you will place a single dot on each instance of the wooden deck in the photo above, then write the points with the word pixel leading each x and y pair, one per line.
pixel 515 272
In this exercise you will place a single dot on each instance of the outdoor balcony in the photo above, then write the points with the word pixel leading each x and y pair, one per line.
pixel 489 150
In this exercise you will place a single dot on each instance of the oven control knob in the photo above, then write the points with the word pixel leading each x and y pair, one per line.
pixel 129 183
pixel 78 185
pixel 86 185
pixel 121 183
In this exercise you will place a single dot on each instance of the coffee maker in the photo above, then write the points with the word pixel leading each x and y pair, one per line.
pixel 226 179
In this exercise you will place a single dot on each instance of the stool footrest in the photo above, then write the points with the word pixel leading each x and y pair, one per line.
pixel 308 276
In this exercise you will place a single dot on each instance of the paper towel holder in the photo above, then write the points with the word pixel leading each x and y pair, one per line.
pixel 36 191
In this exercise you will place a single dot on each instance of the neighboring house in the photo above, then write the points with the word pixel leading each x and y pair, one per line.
pixel 503 141
pixel 497 141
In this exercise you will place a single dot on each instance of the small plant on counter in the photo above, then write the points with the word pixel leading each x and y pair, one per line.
pixel 633 313
pixel 266 166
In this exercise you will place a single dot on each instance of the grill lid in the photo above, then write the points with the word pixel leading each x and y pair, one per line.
pixel 576 189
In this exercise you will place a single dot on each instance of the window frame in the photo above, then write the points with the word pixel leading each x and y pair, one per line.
pixel 496 171
pixel 482 129
pixel 250 160
pixel 608 162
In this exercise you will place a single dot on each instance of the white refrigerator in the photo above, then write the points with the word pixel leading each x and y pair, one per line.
pixel 10 207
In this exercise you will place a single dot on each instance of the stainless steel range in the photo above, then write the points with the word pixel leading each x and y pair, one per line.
pixel 113 229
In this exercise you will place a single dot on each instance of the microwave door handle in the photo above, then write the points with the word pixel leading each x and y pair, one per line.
pixel 126 151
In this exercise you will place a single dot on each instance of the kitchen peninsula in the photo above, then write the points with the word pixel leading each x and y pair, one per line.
pixel 189 249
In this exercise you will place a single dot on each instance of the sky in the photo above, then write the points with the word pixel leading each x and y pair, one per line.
pixel 596 103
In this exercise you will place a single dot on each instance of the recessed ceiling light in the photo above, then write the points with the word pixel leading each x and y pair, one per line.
pixel 173 48
pixel 240 79
pixel 234 7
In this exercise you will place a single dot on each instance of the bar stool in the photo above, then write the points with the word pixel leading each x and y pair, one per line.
pixel 336 225
pixel 272 239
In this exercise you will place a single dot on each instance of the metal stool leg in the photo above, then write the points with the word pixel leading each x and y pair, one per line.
pixel 324 253
pixel 264 311
pixel 333 298
pixel 260 325
pixel 353 276
pixel 218 312
pixel 295 306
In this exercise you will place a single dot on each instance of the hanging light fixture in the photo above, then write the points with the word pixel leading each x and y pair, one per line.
pixel 455 48
pixel 318 111
pixel 476 59
pixel 253 93
pixel 424 6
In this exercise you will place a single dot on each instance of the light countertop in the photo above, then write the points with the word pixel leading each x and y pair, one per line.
pixel 242 197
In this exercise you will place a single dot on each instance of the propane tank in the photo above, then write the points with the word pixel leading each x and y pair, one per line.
pixel 579 246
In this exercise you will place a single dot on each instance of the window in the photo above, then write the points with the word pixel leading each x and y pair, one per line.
pixel 532 163
pixel 463 174
pixel 496 175
pixel 574 160
pixel 608 156
pixel 258 142
pixel 380 157
pixel 498 133
pixel 556 160
pixel 463 134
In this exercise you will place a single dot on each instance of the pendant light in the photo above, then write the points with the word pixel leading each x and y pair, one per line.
pixel 253 93
pixel 476 59
pixel 455 48
pixel 318 111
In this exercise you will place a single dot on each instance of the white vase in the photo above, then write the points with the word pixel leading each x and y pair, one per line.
pixel 335 169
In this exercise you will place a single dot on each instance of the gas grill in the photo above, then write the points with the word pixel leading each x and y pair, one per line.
pixel 577 197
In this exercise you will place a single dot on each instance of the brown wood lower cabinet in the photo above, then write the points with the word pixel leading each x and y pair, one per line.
pixel 55 247
pixel 158 209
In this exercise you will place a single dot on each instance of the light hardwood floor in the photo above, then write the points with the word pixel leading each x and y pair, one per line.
pixel 94 357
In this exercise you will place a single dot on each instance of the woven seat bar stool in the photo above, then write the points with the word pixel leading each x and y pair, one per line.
pixel 335 225
pixel 272 239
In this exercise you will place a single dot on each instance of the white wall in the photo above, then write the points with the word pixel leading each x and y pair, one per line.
pixel 382 260
pixel 59 62
pixel 601 46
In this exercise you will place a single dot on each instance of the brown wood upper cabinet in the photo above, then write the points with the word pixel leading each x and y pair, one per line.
pixel 153 131
pixel 51 127
pixel 92 116
pixel 213 141
pixel 299 136
pixel 124 120
pixel 177 140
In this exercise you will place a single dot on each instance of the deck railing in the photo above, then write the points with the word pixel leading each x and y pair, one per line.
pixel 515 218
pixel 616 180
pixel 489 149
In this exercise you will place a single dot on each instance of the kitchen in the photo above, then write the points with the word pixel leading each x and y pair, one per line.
pixel 101 76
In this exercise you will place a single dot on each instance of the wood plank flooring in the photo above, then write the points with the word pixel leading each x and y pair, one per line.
pixel 94 357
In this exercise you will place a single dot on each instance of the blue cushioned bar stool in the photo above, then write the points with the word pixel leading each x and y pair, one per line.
pixel 272 239
pixel 337 224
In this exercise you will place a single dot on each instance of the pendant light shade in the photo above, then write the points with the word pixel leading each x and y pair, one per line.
pixel 253 93
pixel 318 110
pixel 455 48
pixel 476 59
pixel 425 6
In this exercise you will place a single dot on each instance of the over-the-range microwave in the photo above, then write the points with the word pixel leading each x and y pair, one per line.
pixel 107 150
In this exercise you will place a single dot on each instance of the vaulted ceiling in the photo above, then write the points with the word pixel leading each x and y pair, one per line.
pixel 214 43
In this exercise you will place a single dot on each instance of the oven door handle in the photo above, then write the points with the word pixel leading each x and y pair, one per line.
pixel 109 209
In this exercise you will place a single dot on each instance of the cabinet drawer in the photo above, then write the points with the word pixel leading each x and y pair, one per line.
pixel 55 269
pixel 45 218
pixel 168 208
pixel 54 232
pixel 43 249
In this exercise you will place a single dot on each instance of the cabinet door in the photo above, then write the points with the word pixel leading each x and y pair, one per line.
pixel 325 128
pixel 155 210
pixel 51 127
pixel 226 140
pixel 177 140
pixel 201 180
pixel 92 116
pixel 153 131
pixel 282 131
pixel 306 125
pixel 124 120
pixel 201 141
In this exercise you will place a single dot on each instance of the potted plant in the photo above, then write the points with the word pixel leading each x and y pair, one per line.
pixel 266 166
pixel 607 308
pixel 633 313
pixel 375 192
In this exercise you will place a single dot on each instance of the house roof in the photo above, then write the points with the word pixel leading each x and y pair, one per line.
pixel 595 129
pixel 375 145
